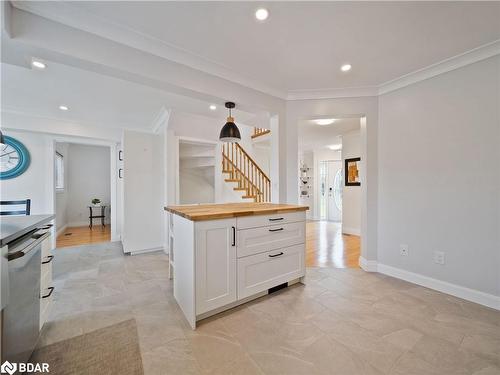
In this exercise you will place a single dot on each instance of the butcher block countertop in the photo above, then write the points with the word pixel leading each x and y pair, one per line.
pixel 199 212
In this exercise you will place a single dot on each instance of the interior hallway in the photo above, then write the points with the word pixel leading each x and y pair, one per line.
pixel 77 236
pixel 326 246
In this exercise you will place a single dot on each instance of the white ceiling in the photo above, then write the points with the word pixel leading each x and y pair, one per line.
pixel 302 44
pixel 92 98
pixel 313 136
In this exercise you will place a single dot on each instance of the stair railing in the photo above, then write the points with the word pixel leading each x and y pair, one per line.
pixel 245 171
pixel 257 132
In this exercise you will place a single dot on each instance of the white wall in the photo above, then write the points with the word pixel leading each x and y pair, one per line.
pixel 88 177
pixel 36 182
pixel 62 195
pixel 439 176
pixel 143 192
pixel 351 195
pixel 197 186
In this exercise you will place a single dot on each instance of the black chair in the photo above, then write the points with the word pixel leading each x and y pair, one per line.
pixel 25 202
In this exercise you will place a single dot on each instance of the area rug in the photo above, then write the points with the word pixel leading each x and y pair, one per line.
pixel 111 350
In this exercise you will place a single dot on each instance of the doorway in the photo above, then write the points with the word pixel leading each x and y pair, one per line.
pixel 82 194
pixel 331 181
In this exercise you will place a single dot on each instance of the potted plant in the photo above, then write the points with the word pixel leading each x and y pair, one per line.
pixel 96 202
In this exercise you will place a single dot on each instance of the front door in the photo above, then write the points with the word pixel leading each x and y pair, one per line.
pixel 334 190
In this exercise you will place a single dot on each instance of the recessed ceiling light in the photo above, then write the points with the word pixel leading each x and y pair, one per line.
pixel 335 147
pixel 38 64
pixel 261 14
pixel 324 121
pixel 213 107
pixel 63 108
pixel 346 67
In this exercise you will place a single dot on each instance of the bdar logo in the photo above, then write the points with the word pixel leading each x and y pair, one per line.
pixel 8 368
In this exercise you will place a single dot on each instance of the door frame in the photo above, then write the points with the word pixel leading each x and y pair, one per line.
pixel 115 220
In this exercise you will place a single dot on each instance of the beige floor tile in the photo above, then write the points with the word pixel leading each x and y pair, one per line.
pixel 345 322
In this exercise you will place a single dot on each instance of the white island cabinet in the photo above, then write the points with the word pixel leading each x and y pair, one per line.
pixel 228 254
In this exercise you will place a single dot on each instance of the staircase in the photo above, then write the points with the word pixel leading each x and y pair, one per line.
pixel 257 132
pixel 242 170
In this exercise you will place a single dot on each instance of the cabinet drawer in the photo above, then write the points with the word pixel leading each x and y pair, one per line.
pixel 260 272
pixel 259 240
pixel 246 222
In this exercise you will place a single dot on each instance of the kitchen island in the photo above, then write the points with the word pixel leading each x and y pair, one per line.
pixel 224 255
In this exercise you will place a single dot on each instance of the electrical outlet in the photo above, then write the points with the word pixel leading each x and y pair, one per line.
pixel 404 249
pixel 438 257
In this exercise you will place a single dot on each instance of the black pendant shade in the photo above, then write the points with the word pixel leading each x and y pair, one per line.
pixel 2 140
pixel 230 132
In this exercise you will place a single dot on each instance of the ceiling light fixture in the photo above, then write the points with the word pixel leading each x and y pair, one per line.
pixel 261 14
pixel 213 107
pixel 335 147
pixel 230 132
pixel 346 67
pixel 63 108
pixel 38 64
pixel 324 121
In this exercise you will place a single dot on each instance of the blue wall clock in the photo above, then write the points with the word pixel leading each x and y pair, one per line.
pixel 14 158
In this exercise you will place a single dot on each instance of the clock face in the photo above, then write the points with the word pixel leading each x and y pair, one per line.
pixel 14 158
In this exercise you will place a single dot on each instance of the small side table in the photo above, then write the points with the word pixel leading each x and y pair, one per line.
pixel 102 215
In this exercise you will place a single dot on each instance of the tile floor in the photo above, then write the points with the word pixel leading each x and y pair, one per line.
pixel 344 321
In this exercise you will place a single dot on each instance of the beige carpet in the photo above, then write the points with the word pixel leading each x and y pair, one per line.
pixel 110 350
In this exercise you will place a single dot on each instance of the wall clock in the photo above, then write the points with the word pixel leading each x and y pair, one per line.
pixel 14 158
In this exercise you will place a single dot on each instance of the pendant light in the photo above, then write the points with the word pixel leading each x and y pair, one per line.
pixel 230 132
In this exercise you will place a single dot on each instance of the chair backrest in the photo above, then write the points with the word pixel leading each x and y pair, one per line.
pixel 26 203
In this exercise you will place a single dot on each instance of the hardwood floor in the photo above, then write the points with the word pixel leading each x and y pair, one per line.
pixel 326 246
pixel 75 236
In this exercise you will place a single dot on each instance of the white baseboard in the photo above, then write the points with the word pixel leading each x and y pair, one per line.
pixel 468 294
pixel 368 265
pixel 352 231
pixel 143 251
pixel 59 231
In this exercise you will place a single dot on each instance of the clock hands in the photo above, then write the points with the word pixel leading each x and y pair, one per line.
pixel 7 153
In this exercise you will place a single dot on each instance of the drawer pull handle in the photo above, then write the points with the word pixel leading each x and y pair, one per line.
pixel 275 255
pixel 275 230
pixel 49 259
pixel 277 219
pixel 51 288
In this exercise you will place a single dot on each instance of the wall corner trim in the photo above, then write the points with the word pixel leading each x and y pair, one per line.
pixel 468 294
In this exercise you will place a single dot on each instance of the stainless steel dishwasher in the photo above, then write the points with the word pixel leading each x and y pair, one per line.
pixel 21 316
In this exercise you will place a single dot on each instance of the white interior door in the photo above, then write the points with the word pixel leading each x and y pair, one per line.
pixel 334 190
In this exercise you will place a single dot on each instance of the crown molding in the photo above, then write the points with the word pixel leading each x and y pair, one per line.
pixel 72 15
pixel 347 92
pixel 477 54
